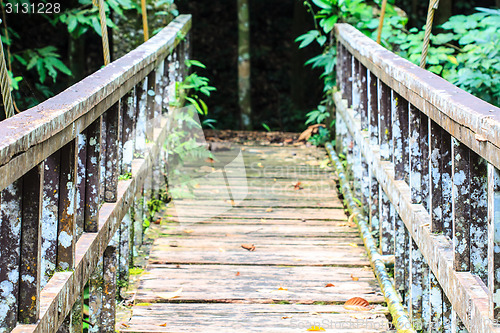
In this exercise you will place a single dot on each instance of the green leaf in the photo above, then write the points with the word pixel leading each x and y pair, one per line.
pixel 324 4
pixel 196 63
pixel 329 23
pixel 32 63
pixel 96 25
pixel 267 128
pixel 60 66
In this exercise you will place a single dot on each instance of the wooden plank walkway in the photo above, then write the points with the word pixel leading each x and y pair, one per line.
pixel 303 242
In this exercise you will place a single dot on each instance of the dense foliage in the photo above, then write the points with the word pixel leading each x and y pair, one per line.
pixel 466 51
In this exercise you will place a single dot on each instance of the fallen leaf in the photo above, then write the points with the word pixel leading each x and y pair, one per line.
pixel 196 185
pixel 158 220
pixel 329 285
pixel 125 325
pixel 286 317
pixel 281 288
pixel 163 325
pixel 296 186
pixel 209 160
pixel 188 231
pixel 274 179
pixel 221 249
pixel 231 202
pixel 357 304
pixel 269 210
pixel 480 138
pixel 249 247
pixel 237 273
pixel 170 295
pixel 316 329
pixel 260 165
pixel 353 244
pixel 354 278
pixel 312 313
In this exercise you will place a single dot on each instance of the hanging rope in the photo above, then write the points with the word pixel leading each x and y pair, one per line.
pixel 104 30
pixel 5 85
pixel 381 23
pixel 433 5
pixel 145 20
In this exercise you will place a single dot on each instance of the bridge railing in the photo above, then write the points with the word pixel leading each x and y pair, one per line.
pixel 424 158
pixel 76 174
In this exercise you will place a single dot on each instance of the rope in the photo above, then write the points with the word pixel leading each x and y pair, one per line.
pixel 145 20
pixel 381 23
pixel 5 85
pixel 104 30
pixel 433 5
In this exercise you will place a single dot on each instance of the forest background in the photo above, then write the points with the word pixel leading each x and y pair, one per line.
pixel 49 52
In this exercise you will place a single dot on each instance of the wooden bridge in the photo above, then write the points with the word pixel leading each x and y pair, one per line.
pixel 418 174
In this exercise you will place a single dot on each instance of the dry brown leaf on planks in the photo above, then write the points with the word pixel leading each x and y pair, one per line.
pixel 297 186
pixel 188 231
pixel 269 210
pixel 158 220
pixel 357 304
pixel 170 295
pixel 282 289
pixel 163 325
pixel 237 273
pixel 354 278
pixel 249 247
pixel 125 325
pixel 329 285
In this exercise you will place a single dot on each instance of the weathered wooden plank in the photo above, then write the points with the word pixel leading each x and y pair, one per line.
pixel 257 283
pixel 29 268
pixel 251 318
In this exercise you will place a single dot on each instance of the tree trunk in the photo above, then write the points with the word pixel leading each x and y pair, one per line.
pixel 244 64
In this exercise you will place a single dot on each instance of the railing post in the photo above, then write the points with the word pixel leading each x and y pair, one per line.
pixel 29 273
pixel 494 241
pixel 93 176
pixel 10 241
pixel 110 156
pixel 66 238
pixel 128 105
pixel 50 216
pixel 479 217
pixel 461 200
pixel 141 112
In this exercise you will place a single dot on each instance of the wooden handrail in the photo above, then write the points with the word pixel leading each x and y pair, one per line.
pixel 66 220
pixel 424 159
